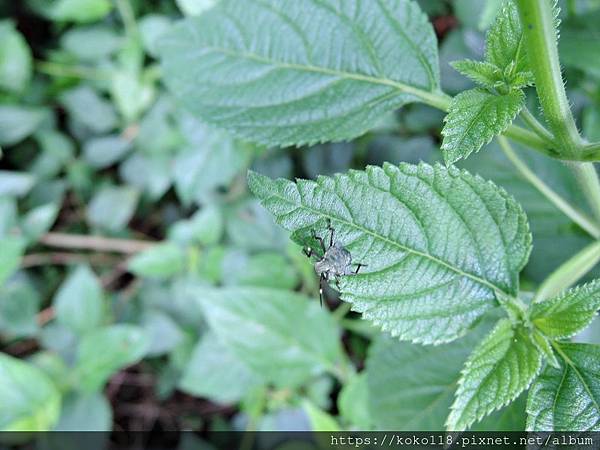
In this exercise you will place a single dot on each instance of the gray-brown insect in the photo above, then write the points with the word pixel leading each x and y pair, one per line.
pixel 336 261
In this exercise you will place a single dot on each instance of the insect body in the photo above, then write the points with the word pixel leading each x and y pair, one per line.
pixel 336 260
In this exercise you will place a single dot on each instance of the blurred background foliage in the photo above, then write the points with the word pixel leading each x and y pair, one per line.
pixel 120 214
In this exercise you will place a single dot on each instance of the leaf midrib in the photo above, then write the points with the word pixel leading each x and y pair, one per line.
pixel 433 98
pixel 438 261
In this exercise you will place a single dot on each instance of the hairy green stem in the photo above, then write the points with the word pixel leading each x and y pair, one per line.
pixel 539 29
pixel 569 272
pixel 588 181
pixel 580 218
pixel 536 126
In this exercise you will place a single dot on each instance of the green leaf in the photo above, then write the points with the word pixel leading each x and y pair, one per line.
pixel 152 27
pixel 11 252
pixel 81 11
pixel 438 242
pixel 567 399
pixel 261 319
pixel 15 59
pixel 78 302
pixel 474 118
pixel 482 73
pixel 19 306
pixel 410 387
pixel 83 412
pixel 267 269
pixel 319 419
pixel 205 228
pixel 566 315
pixel 39 220
pixel 281 72
pixel 91 43
pixel 112 207
pixel 353 402
pixel 504 40
pixel 56 151
pixel 15 183
pixel 105 351
pixel 216 373
pixel 160 261
pixel 501 367
pixel 164 333
pixel 18 122
pixel 104 151
pixel 131 93
pixel 28 399
pixel 85 106
pixel 195 7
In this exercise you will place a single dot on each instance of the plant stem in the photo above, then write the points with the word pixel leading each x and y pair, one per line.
pixel 539 29
pixel 98 243
pixel 587 178
pixel 569 272
pixel 536 126
pixel 573 213
pixel 128 16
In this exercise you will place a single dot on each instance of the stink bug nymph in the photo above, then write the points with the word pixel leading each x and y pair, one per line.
pixel 336 260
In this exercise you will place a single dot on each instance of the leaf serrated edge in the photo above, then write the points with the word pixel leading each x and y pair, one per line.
pixel 479 417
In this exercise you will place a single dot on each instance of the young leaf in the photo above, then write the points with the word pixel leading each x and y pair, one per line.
pixel 83 412
pixel 11 251
pixel 284 72
pixel 28 399
pixel 483 73
pixel 504 40
pixel 567 399
pixel 104 352
pixel 498 370
pixel 438 242
pixel 78 301
pixel 112 207
pixel 474 118
pixel 566 315
pixel 262 320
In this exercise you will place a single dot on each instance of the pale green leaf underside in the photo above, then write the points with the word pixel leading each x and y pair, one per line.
pixel 474 118
pixel 290 72
pixel 438 242
pixel 258 324
pixel 566 315
pixel 411 386
pixel 497 371
pixel 567 399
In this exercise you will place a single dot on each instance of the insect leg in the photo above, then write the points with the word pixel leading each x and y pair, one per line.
pixel 308 251
pixel 331 230
pixel 358 266
pixel 337 283
pixel 322 278
pixel 320 239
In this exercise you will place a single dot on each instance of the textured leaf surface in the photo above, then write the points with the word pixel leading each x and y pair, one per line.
pixel 270 323
pixel 285 72
pixel 483 73
pixel 28 399
pixel 497 371
pixel 438 242
pixel 504 40
pixel 474 118
pixel 567 399
pixel 566 315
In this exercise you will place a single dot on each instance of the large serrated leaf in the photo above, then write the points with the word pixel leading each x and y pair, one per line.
pixel 438 242
pixel 566 315
pixel 284 72
pixel 258 324
pixel 474 118
pixel 498 370
pixel 567 399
